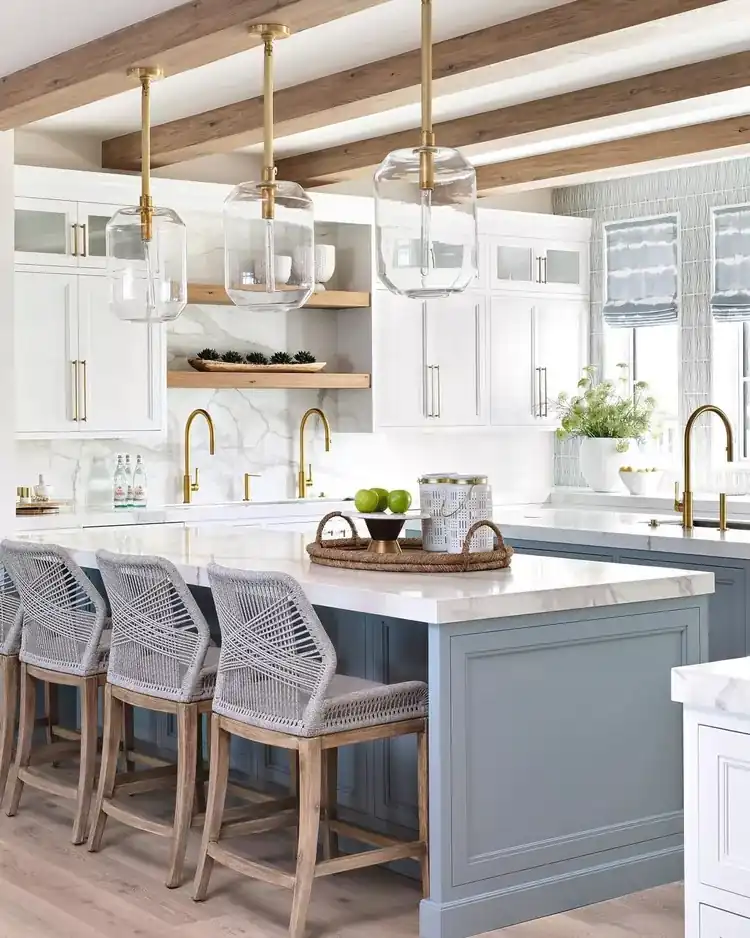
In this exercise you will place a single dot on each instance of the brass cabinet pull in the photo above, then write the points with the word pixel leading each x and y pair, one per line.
pixel 544 269
pixel 439 408
pixel 74 389
pixel 85 392
pixel 545 399
pixel 74 239
pixel 84 247
pixel 477 361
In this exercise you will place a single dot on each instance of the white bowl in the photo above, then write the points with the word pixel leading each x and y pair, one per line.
pixel 282 268
pixel 641 482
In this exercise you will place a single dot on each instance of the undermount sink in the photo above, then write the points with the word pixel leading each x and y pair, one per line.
pixel 732 525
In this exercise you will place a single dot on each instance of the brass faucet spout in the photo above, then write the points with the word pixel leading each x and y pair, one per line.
pixel 686 504
pixel 188 484
pixel 303 480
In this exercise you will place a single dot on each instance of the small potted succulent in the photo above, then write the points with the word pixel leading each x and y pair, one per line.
pixel 608 419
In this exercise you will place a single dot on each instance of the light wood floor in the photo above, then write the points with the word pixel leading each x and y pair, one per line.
pixel 49 887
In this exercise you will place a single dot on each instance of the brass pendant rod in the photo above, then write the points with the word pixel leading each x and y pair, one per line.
pixel 426 157
pixel 147 206
pixel 269 170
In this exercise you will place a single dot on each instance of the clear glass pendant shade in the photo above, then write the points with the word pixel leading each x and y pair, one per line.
pixel 426 239
pixel 148 278
pixel 269 263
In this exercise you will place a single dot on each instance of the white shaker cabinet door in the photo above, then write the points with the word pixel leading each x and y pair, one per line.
pixel 456 345
pixel 715 923
pixel 561 334
pixel 46 351
pixel 46 232
pixel 122 375
pixel 724 811
pixel 401 391
pixel 514 380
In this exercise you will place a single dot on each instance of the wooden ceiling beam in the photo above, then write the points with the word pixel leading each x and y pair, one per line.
pixel 185 37
pixel 390 82
pixel 615 154
pixel 620 97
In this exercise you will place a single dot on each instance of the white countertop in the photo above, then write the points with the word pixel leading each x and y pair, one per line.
pixel 569 527
pixel 718 685
pixel 532 584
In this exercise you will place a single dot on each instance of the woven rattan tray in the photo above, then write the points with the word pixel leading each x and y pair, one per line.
pixel 352 553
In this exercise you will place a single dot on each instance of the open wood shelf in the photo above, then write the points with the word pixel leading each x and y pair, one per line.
pixel 214 294
pixel 267 380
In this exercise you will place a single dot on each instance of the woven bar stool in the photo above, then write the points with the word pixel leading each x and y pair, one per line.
pixel 10 644
pixel 64 641
pixel 162 659
pixel 277 685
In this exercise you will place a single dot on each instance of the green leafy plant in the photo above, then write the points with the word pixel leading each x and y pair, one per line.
pixel 209 355
pixel 304 358
pixel 606 409
pixel 282 358
pixel 256 358
pixel 233 358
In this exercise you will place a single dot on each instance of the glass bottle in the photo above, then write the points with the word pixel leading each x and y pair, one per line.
pixel 140 484
pixel 120 486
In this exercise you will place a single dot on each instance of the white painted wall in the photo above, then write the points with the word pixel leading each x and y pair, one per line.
pixel 7 445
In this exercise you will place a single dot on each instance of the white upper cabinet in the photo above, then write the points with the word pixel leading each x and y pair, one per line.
pixel 59 233
pixel 525 265
pixel 560 345
pixel 80 370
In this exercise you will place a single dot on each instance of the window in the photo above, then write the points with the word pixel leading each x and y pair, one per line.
pixel 651 354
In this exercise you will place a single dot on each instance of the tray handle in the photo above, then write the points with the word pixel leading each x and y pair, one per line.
pixel 324 522
pixel 470 534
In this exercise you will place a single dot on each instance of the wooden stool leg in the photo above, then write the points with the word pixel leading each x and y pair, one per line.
pixel 9 706
pixel 311 772
pixel 25 735
pixel 51 710
pixel 218 778
pixel 187 740
pixel 330 801
pixel 113 721
pixel 87 769
pixel 128 736
pixel 199 806
pixel 423 803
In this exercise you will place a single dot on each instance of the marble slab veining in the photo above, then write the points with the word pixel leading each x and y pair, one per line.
pixel 718 685
pixel 531 585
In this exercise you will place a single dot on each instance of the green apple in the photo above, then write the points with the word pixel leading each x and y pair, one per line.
pixel 399 501
pixel 366 501
pixel 382 498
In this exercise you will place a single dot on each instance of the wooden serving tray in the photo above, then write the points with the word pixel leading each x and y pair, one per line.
pixel 201 364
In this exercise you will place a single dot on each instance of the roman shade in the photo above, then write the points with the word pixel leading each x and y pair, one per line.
pixel 642 279
pixel 730 301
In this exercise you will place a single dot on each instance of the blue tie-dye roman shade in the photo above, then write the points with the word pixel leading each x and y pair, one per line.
pixel 642 278
pixel 730 301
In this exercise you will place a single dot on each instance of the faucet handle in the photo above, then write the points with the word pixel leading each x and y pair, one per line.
pixel 679 503
pixel 309 479
pixel 195 484
pixel 248 477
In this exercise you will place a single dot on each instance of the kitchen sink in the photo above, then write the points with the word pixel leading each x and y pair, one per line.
pixel 732 525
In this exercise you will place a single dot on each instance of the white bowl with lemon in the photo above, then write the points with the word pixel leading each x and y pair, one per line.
pixel 641 481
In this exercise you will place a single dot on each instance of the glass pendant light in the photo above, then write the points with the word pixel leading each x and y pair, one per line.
pixel 147 246
pixel 425 207
pixel 269 257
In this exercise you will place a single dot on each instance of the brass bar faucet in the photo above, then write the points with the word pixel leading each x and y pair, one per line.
pixel 686 504
pixel 188 485
pixel 302 480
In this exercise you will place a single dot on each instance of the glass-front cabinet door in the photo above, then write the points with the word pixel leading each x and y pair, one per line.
pixel 46 232
pixel 513 263
pixel 92 226
pixel 565 267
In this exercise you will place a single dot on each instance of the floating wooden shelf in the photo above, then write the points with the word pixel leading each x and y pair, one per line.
pixel 214 294
pixel 260 380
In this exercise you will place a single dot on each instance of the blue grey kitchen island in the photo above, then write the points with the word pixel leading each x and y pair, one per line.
pixel 555 751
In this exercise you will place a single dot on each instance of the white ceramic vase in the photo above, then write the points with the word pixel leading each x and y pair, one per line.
pixel 601 462
pixel 325 265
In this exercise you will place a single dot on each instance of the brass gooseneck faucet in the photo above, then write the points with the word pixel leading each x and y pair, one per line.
pixel 302 480
pixel 686 504
pixel 188 485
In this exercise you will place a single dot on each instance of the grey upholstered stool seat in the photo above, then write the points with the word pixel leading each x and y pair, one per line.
pixel 277 685
pixel 161 658
pixel 63 641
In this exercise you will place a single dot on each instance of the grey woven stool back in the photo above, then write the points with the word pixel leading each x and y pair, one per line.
pixel 63 613
pixel 10 614
pixel 159 635
pixel 277 661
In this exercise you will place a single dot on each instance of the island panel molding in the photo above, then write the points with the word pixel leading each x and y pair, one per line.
pixel 393 81
pixel 185 37
pixel 620 97
pixel 614 154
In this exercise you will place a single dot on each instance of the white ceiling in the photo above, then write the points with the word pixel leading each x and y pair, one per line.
pixel 393 27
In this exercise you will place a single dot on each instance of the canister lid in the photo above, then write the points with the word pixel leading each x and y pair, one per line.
pixel 470 480
pixel 434 478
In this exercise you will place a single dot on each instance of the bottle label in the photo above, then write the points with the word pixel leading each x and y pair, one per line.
pixel 139 495
pixel 120 495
